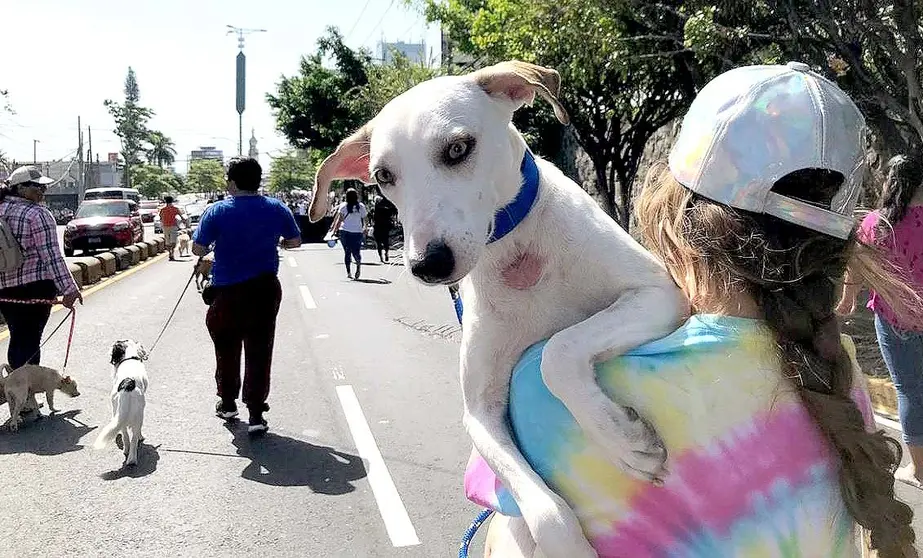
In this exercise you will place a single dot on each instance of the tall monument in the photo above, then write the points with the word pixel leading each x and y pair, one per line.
pixel 254 153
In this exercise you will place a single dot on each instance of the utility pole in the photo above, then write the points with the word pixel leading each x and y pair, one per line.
pixel 35 152
pixel 90 172
pixel 81 170
pixel 241 81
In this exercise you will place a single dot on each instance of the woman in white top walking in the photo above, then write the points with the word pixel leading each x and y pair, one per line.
pixel 350 224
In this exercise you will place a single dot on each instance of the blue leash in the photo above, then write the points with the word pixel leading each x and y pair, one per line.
pixel 486 512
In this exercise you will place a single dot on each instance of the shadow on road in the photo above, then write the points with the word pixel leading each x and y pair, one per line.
pixel 148 456
pixel 379 281
pixel 50 435
pixel 282 461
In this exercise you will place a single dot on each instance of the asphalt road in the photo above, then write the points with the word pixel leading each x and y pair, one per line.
pixel 364 456
pixel 365 452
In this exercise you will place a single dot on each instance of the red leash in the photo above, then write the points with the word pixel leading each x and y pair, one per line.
pixel 72 314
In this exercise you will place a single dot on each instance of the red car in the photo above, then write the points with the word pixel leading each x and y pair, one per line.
pixel 101 224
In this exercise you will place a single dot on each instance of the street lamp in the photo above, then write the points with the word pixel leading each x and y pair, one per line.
pixel 241 80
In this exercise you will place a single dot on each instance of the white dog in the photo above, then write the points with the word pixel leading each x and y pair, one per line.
pixel 128 389
pixel 445 152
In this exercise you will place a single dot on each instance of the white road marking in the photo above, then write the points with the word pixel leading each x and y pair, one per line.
pixel 321 336
pixel 308 299
pixel 888 423
pixel 292 262
pixel 338 373
pixel 390 505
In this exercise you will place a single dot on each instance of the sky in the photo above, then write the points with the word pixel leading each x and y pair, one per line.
pixel 60 59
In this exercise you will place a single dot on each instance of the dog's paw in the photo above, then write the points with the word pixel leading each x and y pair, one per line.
pixel 623 436
pixel 556 530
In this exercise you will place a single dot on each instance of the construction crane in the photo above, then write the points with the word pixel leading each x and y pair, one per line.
pixel 242 32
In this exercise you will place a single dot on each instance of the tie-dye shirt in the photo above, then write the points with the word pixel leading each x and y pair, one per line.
pixel 750 475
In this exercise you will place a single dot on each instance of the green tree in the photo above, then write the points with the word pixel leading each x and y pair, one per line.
pixel 625 72
pixel 316 108
pixel 130 124
pixel 154 182
pixel 293 170
pixel 162 151
pixel 387 81
pixel 205 176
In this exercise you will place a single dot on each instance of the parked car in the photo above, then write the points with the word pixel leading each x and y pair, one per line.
pixel 148 210
pixel 101 224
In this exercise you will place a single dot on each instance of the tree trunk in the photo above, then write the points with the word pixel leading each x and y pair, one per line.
pixel 604 189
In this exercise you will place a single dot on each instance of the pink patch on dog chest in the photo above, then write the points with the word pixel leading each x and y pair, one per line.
pixel 523 272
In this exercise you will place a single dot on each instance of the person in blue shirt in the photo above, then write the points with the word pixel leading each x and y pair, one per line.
pixel 244 232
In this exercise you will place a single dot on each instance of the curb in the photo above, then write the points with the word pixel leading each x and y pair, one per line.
pixel 91 269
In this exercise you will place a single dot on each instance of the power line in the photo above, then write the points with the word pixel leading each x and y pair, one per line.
pixel 353 28
pixel 377 25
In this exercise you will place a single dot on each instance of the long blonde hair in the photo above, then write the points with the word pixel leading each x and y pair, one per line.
pixel 715 252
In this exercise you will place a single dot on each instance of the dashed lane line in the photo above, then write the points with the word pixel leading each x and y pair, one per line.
pixel 390 506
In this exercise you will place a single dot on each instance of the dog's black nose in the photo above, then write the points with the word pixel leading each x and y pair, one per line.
pixel 437 263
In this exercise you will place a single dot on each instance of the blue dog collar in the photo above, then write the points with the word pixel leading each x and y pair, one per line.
pixel 509 216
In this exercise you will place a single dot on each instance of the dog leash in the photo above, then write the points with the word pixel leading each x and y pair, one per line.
pixel 72 314
pixel 486 512
pixel 173 313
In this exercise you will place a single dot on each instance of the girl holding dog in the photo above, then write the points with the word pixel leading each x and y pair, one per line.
pixel 758 398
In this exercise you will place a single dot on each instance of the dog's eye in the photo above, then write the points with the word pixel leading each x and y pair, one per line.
pixel 458 151
pixel 384 177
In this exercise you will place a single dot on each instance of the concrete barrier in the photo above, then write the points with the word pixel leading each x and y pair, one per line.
pixel 92 269
pixel 76 273
pixel 135 254
pixel 143 250
pixel 108 262
pixel 122 258
pixel 152 248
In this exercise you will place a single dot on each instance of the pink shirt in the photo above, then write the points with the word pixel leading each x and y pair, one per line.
pixel 33 225
pixel 905 249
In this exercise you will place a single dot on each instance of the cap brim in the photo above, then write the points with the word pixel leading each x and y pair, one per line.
pixel 42 180
pixel 809 216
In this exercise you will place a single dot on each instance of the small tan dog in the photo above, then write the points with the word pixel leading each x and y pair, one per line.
pixel 182 243
pixel 203 269
pixel 23 383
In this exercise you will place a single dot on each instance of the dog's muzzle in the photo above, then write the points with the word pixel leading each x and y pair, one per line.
pixel 436 265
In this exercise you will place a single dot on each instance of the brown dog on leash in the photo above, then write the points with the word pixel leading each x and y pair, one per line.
pixel 203 269
pixel 22 384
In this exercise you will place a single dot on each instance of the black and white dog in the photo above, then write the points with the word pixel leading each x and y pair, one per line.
pixel 128 388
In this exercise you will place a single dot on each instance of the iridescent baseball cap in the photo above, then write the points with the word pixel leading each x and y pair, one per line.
pixel 753 125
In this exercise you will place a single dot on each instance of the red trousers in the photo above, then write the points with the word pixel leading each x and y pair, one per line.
pixel 243 317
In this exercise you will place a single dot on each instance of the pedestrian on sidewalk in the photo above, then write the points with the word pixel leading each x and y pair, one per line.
pixel 897 228
pixel 383 215
pixel 170 215
pixel 349 223
pixel 244 231
pixel 43 274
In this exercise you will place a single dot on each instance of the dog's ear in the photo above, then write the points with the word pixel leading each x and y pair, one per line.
pixel 349 161
pixel 67 380
pixel 118 353
pixel 520 81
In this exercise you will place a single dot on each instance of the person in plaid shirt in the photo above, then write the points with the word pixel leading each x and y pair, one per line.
pixel 43 274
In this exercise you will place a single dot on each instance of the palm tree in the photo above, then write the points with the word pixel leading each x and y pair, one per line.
pixel 162 153
pixel 5 163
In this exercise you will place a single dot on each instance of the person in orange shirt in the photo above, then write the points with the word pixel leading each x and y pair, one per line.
pixel 170 216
